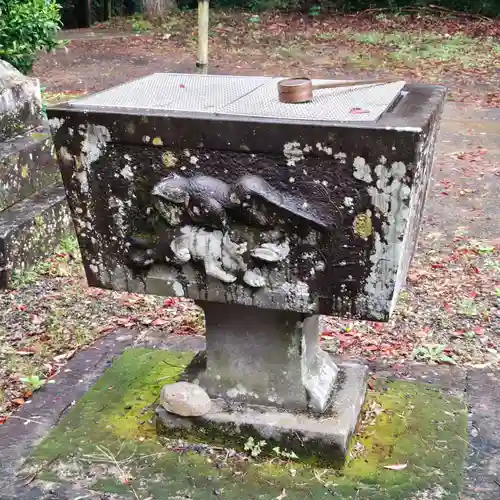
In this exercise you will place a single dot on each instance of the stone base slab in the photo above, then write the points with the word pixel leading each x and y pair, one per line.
pixel 441 415
pixel 324 438
pixel 31 230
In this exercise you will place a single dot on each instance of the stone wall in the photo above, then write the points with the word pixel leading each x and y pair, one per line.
pixel 33 210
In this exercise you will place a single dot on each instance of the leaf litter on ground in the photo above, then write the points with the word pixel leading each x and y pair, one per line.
pixel 462 53
pixel 51 314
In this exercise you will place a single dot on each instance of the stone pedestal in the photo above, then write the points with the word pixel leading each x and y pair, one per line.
pixel 269 379
pixel 264 356
pixel 20 102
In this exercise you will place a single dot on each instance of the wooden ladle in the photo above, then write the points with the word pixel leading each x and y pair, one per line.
pixel 298 90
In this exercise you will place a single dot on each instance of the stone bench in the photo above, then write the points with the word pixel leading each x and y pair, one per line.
pixel 33 211
pixel 267 215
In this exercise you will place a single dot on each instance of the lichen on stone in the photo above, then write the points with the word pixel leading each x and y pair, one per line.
pixel 168 159
pixel 363 225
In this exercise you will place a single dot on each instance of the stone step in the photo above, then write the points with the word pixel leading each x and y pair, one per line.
pixel 20 102
pixel 31 230
pixel 26 167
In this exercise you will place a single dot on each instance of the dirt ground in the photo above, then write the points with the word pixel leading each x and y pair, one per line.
pixel 462 53
pixel 450 311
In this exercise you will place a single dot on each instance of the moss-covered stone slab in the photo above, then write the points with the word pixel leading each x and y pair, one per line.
pixel 31 230
pixel 27 165
pixel 107 442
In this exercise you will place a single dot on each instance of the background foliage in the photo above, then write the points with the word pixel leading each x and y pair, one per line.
pixel 484 7
pixel 26 27
pixel 102 10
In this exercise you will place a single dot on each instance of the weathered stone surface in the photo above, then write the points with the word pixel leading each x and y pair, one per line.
pixel 20 102
pixel 264 356
pixel 326 437
pixel 31 230
pixel 185 399
pixel 311 216
pixel 27 165
pixel 33 211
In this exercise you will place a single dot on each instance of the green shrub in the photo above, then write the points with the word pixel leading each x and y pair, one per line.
pixel 26 27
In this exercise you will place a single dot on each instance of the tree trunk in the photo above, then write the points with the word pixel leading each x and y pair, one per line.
pixel 154 9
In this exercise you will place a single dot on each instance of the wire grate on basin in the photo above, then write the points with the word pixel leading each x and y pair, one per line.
pixel 174 92
pixel 360 103
pixel 242 96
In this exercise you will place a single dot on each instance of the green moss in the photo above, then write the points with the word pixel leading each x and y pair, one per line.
pixel 419 426
pixel 110 485
pixel 403 423
pixel 119 404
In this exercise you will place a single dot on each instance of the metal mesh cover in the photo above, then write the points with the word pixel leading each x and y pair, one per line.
pixel 242 96
pixel 174 92
pixel 360 103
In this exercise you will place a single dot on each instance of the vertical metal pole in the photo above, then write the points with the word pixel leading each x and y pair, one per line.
pixel 203 23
